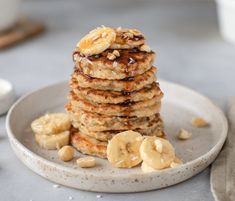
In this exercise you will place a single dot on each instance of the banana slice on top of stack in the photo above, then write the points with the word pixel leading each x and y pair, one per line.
pixel 52 130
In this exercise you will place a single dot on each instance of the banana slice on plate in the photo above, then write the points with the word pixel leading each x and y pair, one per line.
pixel 53 141
pixel 123 149
pixel 97 41
pixel 146 168
pixel 51 124
pixel 156 152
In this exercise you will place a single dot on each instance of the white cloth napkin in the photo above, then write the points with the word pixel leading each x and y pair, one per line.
pixel 223 169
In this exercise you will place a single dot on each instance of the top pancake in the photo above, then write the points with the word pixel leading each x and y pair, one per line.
pixel 131 62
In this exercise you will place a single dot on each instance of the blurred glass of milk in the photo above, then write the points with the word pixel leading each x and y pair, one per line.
pixel 226 14
pixel 9 11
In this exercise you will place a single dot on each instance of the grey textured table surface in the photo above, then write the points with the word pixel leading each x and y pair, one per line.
pixel 190 51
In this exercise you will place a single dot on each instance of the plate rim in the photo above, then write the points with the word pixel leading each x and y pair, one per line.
pixel 23 148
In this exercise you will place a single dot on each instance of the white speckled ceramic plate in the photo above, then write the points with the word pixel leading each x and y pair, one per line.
pixel 180 105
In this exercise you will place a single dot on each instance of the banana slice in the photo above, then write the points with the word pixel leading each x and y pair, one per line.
pixel 158 153
pixel 51 124
pixel 52 141
pixel 123 149
pixel 146 168
pixel 97 41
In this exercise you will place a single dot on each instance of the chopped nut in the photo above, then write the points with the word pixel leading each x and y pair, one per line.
pixel 199 122
pixel 135 32
pixel 116 53
pixel 128 35
pixel 86 162
pixel 184 135
pixel 145 48
pixel 111 56
pixel 66 153
pixel 159 145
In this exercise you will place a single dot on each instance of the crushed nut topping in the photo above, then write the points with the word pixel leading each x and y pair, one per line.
pixel 128 35
pixel 116 53
pixel 145 48
pixel 135 32
pixel 66 153
pixel 184 135
pixel 86 162
pixel 111 56
pixel 199 122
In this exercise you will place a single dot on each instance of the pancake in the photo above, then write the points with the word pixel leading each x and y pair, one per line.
pixel 140 123
pixel 115 97
pixel 97 122
pixel 154 128
pixel 143 112
pixel 122 123
pixel 88 145
pixel 123 109
pixel 130 63
pixel 128 84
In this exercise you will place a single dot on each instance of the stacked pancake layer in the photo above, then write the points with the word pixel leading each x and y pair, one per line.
pixel 113 89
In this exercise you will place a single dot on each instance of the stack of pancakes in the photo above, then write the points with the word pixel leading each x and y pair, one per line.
pixel 112 91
